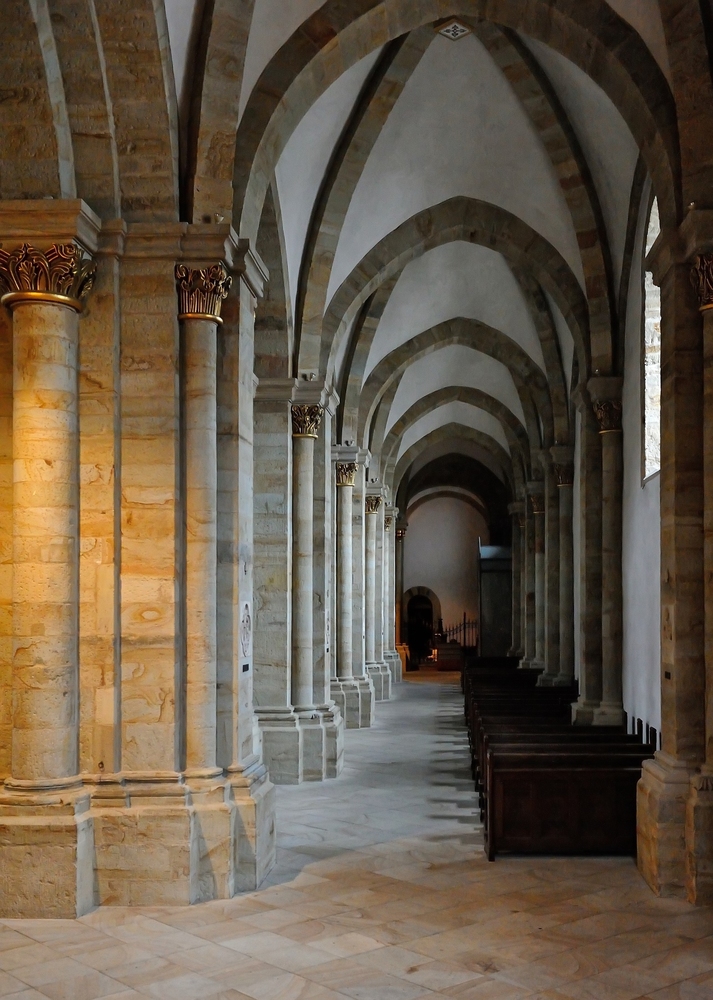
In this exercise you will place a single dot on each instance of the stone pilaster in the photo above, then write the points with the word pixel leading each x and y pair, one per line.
pixel 46 829
pixel 563 458
pixel 516 511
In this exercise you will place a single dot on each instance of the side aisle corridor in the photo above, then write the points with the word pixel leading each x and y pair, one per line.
pixel 382 892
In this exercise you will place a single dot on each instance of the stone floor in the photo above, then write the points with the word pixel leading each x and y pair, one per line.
pixel 382 893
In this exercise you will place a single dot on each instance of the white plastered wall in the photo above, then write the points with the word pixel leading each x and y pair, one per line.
pixel 641 550
pixel 441 553
pixel 465 275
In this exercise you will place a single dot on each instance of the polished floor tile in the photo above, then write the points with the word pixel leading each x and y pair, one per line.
pixel 382 892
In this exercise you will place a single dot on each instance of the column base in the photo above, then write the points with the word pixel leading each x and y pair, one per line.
pixel 515 652
pixel 333 723
pixel 282 744
pixel 564 680
pixel 346 694
pixel 46 854
pixel 367 699
pixel 546 680
pixel 583 712
pixel 608 715
pixel 699 839
pixel 393 660
pixel 381 678
pixel 661 814
pixel 254 833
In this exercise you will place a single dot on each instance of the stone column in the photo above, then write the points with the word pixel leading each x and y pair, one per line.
pixel 537 504
pixel 46 846
pixel 529 658
pixel 345 690
pixel 564 472
pixel 699 808
pixel 590 547
pixel 522 524
pixel 372 509
pixel 606 399
pixel 516 510
pixel 379 604
pixel 390 654
pixel 200 291
pixel 362 675
pixel 306 419
pixel 552 572
pixel 329 713
pixel 399 571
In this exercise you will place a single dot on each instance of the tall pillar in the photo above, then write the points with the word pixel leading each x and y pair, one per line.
pixel 200 292
pixel 699 808
pixel 399 572
pixel 522 524
pixel 552 573
pixel 306 419
pixel 530 659
pixel 537 504
pixel 516 510
pixel 606 398
pixel 667 813
pixel 46 838
pixel 379 604
pixel 329 712
pixel 372 509
pixel 361 674
pixel 564 472
pixel 590 548
pixel 390 655
pixel 345 690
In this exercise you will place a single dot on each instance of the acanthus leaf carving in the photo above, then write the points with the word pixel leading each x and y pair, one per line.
pixel 608 414
pixel 702 279
pixel 306 419
pixel 201 290
pixel 372 503
pixel 62 269
pixel 346 473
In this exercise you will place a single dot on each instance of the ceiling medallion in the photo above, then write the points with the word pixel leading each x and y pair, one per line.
pixel 454 30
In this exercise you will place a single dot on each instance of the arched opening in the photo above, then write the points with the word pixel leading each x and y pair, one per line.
pixel 419 628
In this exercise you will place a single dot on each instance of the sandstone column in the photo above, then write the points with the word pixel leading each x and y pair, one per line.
pixel 43 808
pixel 345 690
pixel 529 658
pixel 606 397
pixel 390 654
pixel 306 419
pixel 552 571
pixel 201 291
pixel 590 545
pixel 537 503
pixel 515 510
pixel 379 604
pixel 564 471
pixel 666 803
pixel 363 677
pixel 372 508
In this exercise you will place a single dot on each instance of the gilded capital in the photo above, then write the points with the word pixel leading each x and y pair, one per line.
pixel 346 473
pixel 201 291
pixel 388 521
pixel 401 534
pixel 306 419
pixel 702 280
pixel 537 503
pixel 608 413
pixel 372 504
pixel 61 274
pixel 564 473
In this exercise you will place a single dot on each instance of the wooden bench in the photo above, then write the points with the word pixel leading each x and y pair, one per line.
pixel 561 802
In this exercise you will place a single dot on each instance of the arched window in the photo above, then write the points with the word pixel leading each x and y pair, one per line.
pixel 652 357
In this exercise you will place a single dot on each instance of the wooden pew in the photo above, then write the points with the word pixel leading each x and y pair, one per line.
pixel 562 802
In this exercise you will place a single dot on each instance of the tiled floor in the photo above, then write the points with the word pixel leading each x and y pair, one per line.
pixel 382 893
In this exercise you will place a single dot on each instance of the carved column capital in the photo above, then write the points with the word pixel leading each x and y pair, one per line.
pixel 388 521
pixel 61 274
pixel 401 533
pixel 372 503
pixel 306 418
pixel 608 414
pixel 537 503
pixel 201 291
pixel 564 473
pixel 346 473
pixel 702 279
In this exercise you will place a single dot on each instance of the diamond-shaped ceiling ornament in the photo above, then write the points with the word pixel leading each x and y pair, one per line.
pixel 454 30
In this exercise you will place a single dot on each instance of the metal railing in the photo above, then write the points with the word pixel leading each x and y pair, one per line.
pixel 465 633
